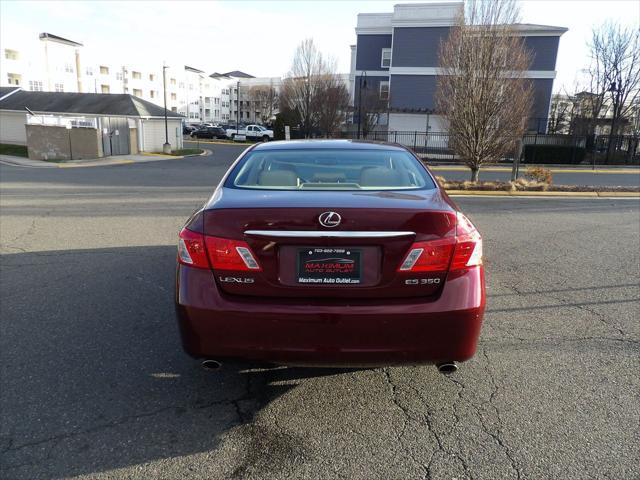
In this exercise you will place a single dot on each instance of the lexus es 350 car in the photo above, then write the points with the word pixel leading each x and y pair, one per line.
pixel 331 252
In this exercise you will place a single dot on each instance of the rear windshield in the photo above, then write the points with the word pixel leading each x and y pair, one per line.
pixel 324 169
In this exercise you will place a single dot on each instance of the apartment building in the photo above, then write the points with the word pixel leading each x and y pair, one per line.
pixel 397 53
pixel 57 64
pixel 575 114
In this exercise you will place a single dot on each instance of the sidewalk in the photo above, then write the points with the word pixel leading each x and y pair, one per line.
pixel 98 162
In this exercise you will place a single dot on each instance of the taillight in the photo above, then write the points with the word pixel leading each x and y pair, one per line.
pixel 465 250
pixel 191 249
pixel 202 251
pixel 468 251
pixel 431 256
pixel 226 254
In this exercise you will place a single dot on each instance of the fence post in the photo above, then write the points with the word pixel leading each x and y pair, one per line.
pixel 395 137
pixel 515 170
pixel 415 140
pixel 426 139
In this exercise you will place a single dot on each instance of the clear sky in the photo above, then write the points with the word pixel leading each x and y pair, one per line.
pixel 259 37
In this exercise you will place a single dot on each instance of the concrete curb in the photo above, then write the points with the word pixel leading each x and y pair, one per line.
pixel 28 163
pixel 504 193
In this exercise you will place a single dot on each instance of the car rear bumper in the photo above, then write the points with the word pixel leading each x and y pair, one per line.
pixel 311 332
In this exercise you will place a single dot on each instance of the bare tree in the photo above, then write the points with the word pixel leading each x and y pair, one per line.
pixel 615 70
pixel 300 88
pixel 265 100
pixel 314 91
pixel 560 113
pixel 331 102
pixel 373 106
pixel 482 90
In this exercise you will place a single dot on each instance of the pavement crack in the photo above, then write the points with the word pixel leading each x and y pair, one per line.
pixel 406 415
pixel 115 423
pixel 497 435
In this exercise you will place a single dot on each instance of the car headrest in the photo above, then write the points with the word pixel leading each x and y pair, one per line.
pixel 278 178
pixel 380 177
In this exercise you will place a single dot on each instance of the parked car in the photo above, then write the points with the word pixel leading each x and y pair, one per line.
pixel 251 132
pixel 188 129
pixel 209 132
pixel 330 252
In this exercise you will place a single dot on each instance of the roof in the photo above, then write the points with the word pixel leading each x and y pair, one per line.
pixel 191 69
pixel 56 38
pixel 218 75
pixel 83 103
pixel 532 27
pixel 4 91
pixel 340 144
pixel 238 74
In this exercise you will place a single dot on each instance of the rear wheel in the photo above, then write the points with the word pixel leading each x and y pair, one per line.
pixel 265 138
pixel 233 136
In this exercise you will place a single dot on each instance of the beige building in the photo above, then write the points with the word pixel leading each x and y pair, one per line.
pixel 123 124
pixel 55 64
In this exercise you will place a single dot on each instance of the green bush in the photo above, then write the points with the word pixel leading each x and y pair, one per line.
pixel 15 150
pixel 553 154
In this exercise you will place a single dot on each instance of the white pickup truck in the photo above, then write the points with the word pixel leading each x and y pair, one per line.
pixel 250 132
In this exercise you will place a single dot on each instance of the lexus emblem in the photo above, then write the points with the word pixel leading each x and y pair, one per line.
pixel 329 219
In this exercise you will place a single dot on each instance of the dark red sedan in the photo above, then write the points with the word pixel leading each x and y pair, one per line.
pixel 330 252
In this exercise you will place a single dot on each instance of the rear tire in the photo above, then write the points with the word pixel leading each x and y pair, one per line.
pixel 265 138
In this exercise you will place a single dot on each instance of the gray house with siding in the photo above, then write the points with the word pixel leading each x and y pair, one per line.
pixel 398 54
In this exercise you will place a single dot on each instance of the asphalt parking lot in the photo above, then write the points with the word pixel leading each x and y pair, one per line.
pixel 94 383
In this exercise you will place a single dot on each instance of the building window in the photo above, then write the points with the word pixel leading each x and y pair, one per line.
pixel 174 109
pixel 152 77
pixel 126 90
pixel 35 85
pixel 68 68
pixel 59 87
pixel 105 88
pixel 174 96
pixel 89 71
pixel 152 94
pixel 10 54
pixel 181 85
pixel 14 78
pixel 384 90
pixel 136 75
pixel 386 58
pixel 104 70
pixel 172 81
pixel 137 92
pixel 119 76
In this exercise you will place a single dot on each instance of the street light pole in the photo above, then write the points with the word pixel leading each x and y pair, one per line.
pixel 166 148
pixel 361 85
pixel 237 107
pixel 613 91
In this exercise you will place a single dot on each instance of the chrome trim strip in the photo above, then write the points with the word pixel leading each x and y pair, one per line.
pixel 325 234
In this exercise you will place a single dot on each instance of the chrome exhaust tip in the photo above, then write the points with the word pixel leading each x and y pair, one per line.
pixel 447 368
pixel 211 365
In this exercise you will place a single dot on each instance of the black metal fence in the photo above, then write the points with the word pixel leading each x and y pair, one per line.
pixel 538 148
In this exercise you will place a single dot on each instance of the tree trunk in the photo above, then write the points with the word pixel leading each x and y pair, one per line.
pixel 474 174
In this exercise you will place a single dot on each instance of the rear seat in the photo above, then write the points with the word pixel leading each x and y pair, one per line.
pixel 278 178
pixel 380 177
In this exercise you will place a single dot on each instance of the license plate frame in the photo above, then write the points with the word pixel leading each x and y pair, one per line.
pixel 329 266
